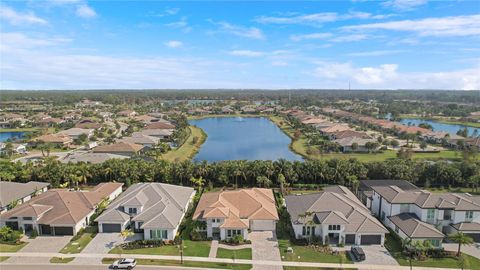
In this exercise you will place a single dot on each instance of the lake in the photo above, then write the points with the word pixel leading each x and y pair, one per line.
pixel 437 126
pixel 4 136
pixel 243 138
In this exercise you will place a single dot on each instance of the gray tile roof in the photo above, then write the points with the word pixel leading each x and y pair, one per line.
pixel 13 191
pixel 163 205
pixel 411 226
pixel 335 205
pixel 467 226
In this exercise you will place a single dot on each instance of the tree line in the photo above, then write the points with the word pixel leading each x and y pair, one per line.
pixel 280 173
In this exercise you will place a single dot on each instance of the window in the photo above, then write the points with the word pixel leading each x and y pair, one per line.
pixel 158 234
pixel 434 242
pixel 308 230
pixel 469 215
pixel 132 211
pixel 396 229
pixel 231 233
pixel 304 230
pixel 27 218
pixel 139 224
pixel 333 227
pixel 383 215
pixel 313 230
pixel 404 208
pixel 430 214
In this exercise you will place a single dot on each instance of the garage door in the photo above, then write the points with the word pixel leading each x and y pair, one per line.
pixel 111 227
pixel 263 225
pixel 350 239
pixel 63 230
pixel 371 240
pixel 475 236
pixel 45 229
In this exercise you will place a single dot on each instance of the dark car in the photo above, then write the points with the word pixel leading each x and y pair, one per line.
pixel 358 253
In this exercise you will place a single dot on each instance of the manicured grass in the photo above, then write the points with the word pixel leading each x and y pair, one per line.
pixel 188 149
pixel 3 258
pixel 185 264
pixel 12 248
pixel 244 253
pixel 61 260
pixel 78 245
pixel 395 248
pixel 311 268
pixel 454 190
pixel 307 254
pixel 190 248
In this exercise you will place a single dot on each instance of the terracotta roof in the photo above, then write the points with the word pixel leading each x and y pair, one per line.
pixel 118 147
pixel 53 138
pixel 237 206
pixel 160 125
pixel 62 207
pixel 411 226
pixel 335 205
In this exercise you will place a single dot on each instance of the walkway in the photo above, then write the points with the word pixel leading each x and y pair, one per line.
pixel 40 244
pixel 261 264
pixel 265 248
pixel 213 249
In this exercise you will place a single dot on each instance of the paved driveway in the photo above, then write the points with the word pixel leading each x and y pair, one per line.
pixel 102 243
pixel 41 244
pixel 471 250
pixel 265 248
pixel 377 255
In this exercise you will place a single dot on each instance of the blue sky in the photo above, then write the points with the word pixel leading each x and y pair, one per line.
pixel 390 44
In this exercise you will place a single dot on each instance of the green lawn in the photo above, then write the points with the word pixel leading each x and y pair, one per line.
pixel 311 268
pixel 244 253
pixel 186 264
pixel 61 260
pixel 78 245
pixel 307 254
pixel 3 258
pixel 12 248
pixel 190 248
pixel 188 149
pixel 395 248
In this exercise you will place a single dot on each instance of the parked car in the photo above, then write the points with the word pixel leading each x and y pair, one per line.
pixel 124 264
pixel 358 253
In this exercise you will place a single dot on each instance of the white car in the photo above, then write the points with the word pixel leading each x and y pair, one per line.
pixel 124 264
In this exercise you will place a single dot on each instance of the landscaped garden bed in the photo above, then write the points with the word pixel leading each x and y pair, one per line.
pixel 311 253
pixel 190 248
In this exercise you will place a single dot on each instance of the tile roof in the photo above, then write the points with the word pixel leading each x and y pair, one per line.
pixel 12 191
pixel 335 205
pixel 467 226
pixel 237 206
pixel 61 206
pixel 160 125
pixel 163 205
pixel 53 138
pixel 411 226
pixel 118 147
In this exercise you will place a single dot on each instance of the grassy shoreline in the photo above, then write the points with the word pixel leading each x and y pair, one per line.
pixel 441 120
pixel 188 150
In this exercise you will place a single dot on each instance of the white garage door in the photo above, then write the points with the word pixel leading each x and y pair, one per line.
pixel 262 225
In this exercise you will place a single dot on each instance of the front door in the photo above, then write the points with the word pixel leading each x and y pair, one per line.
pixel 28 227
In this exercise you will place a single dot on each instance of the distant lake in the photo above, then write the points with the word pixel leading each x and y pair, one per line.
pixel 243 138
pixel 437 126
pixel 4 136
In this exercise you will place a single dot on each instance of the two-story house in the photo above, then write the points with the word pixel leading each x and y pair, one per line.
pixel 336 216
pixel 154 209
pixel 235 212
pixel 59 211
pixel 437 213
pixel 13 193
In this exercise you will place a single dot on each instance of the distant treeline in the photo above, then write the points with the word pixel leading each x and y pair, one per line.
pixel 292 97
pixel 245 173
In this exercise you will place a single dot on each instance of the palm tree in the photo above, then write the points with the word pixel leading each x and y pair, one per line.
pixel 461 239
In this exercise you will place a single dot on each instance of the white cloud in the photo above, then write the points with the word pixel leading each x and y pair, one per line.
pixel 349 38
pixel 404 5
pixel 181 24
pixel 164 13
pixel 468 25
pixel 84 11
pixel 311 36
pixel 247 53
pixel 16 18
pixel 279 63
pixel 21 41
pixel 388 76
pixel 318 18
pixel 329 37
pixel 174 44
pixel 242 31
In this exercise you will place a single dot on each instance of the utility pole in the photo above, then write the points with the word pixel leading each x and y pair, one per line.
pixel 181 250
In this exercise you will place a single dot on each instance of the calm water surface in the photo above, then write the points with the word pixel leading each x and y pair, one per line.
pixel 239 138
pixel 450 128
pixel 4 136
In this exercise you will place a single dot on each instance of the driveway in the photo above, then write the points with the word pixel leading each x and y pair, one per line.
pixel 471 250
pixel 41 244
pixel 377 255
pixel 264 248
pixel 102 243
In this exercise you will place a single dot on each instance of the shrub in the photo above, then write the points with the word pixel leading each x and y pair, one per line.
pixel 34 234
pixel 8 235
pixel 142 244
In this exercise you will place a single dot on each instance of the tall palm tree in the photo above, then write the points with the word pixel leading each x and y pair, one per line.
pixel 461 239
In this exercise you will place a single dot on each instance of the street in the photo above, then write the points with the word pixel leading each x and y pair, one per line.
pixel 4 266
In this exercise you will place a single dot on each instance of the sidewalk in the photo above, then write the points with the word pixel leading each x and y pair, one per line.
pixel 237 261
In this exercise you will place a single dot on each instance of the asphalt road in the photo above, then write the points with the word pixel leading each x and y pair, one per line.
pixel 84 267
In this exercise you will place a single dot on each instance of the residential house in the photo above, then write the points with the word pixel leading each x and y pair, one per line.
pixel 365 191
pixel 120 148
pixel 59 140
pixel 88 124
pixel 59 211
pixel 155 209
pixel 164 134
pixel 335 216
pixel 355 144
pixel 127 113
pixel 444 212
pixel 235 212
pixel 49 122
pixel 93 158
pixel 142 139
pixel 160 125
pixel 75 133
pixel 13 193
